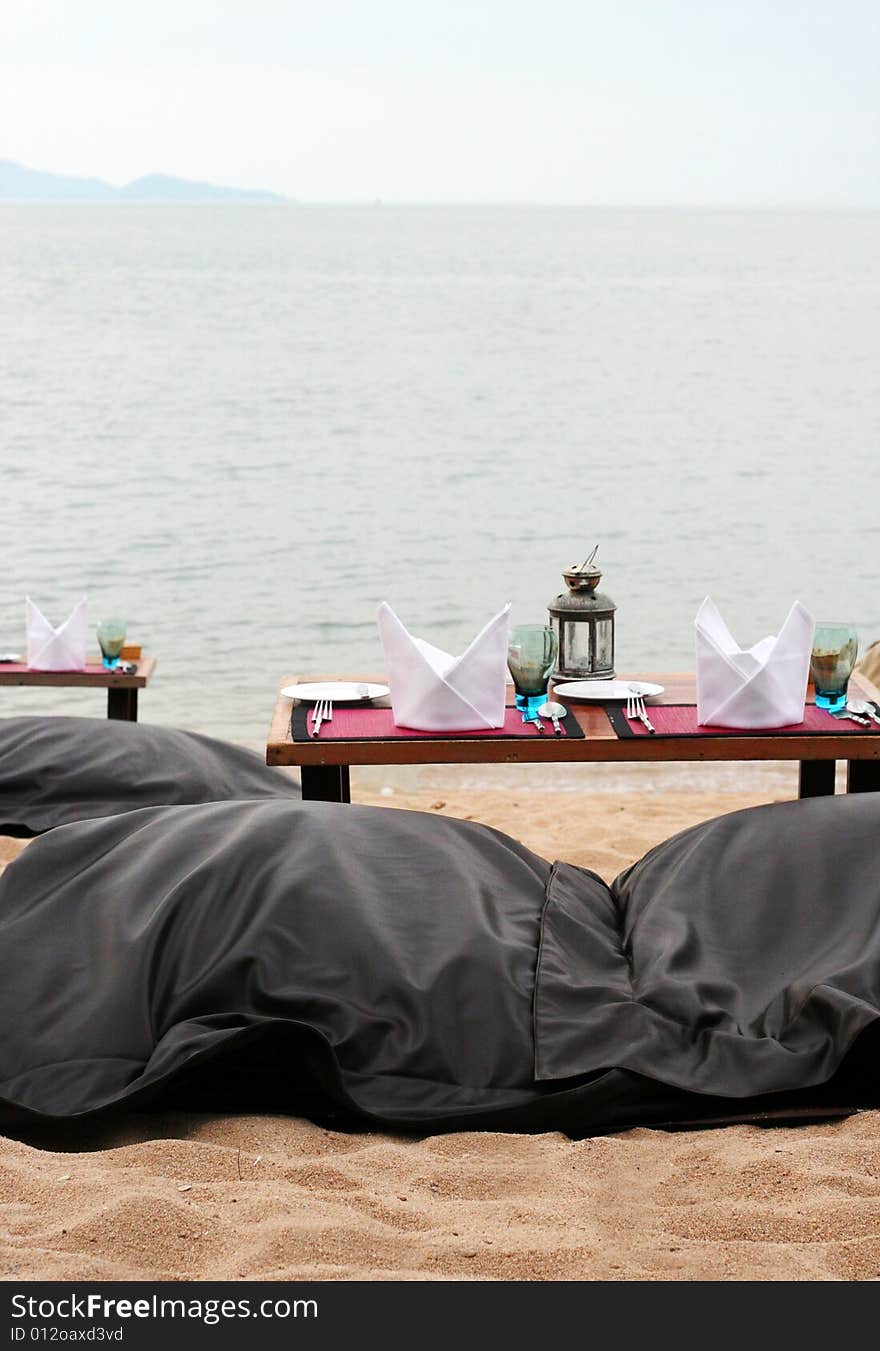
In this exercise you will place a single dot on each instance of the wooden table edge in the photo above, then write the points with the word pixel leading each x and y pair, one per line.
pixel 83 679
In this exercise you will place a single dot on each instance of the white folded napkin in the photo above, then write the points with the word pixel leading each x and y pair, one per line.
pixel 432 691
pixel 764 686
pixel 61 649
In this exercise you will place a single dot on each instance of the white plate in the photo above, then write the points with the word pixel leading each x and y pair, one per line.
pixel 603 690
pixel 340 691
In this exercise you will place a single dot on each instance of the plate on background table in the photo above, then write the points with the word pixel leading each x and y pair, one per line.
pixel 340 691
pixel 601 691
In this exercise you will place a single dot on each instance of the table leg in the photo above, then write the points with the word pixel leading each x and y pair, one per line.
pixel 863 776
pixel 122 704
pixel 817 778
pixel 325 783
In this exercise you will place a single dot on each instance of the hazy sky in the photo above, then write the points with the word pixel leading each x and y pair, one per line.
pixel 617 101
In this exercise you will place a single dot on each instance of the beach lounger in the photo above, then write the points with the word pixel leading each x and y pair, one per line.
pixel 57 770
pixel 413 972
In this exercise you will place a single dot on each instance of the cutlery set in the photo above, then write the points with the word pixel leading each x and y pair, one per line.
pixel 321 713
pixel 860 711
pixel 553 713
pixel 636 711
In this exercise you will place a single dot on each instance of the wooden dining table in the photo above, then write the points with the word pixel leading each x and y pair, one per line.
pixel 122 690
pixel 325 762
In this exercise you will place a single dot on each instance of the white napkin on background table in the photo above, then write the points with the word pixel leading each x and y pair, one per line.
pixel 764 686
pixel 432 691
pixel 61 649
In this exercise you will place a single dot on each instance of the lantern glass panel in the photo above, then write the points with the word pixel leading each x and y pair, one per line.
pixel 576 646
pixel 604 644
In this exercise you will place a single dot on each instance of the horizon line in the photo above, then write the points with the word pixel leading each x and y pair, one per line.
pixel 457 202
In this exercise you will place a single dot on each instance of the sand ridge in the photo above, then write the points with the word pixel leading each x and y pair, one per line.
pixel 246 1198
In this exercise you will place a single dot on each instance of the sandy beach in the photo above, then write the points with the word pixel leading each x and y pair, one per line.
pixel 205 1197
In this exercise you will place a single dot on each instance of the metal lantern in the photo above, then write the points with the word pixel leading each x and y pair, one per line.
pixel 583 620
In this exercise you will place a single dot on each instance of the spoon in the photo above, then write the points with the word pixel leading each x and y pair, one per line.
pixel 862 706
pixel 554 712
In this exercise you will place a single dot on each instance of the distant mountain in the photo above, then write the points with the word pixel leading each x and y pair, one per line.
pixel 30 185
pixel 20 184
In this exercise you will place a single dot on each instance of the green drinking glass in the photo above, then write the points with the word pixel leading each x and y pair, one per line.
pixel 835 649
pixel 111 639
pixel 531 652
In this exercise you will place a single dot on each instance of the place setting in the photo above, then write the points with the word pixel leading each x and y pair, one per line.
pixel 61 649
pixel 432 693
pixel 761 690
pixel 57 656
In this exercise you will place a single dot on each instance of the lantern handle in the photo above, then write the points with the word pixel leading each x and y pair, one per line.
pixel 585 565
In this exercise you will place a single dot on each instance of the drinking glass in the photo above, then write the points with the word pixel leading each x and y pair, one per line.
pixel 531 653
pixel 111 637
pixel 835 648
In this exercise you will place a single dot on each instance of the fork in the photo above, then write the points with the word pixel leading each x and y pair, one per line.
pixel 635 709
pixel 322 712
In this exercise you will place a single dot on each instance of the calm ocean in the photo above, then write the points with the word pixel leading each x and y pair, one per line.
pixel 242 427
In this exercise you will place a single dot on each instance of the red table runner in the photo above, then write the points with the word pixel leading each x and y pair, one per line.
pixel 676 720
pixel 359 723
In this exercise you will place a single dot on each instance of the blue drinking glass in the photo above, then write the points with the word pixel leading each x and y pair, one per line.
pixel 531 653
pixel 111 638
pixel 835 649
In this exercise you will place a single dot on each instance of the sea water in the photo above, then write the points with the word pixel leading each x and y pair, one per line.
pixel 241 427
